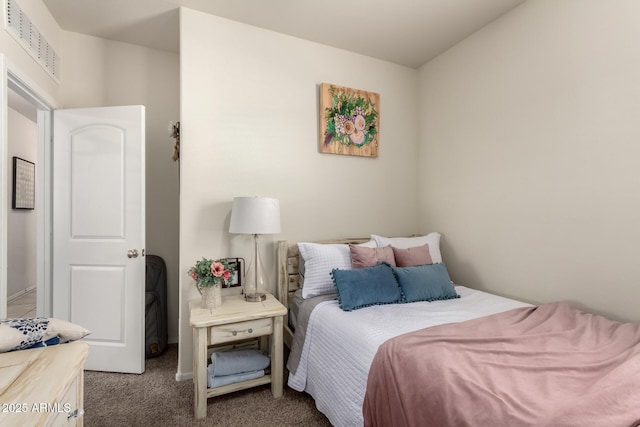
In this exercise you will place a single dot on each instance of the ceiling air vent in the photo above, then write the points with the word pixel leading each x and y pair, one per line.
pixel 27 34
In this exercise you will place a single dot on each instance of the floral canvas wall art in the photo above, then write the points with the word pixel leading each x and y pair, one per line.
pixel 349 121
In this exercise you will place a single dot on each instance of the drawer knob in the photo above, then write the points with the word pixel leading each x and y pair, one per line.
pixel 78 413
pixel 250 330
pixel 234 333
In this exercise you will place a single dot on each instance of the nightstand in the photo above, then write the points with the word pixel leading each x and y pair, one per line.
pixel 235 320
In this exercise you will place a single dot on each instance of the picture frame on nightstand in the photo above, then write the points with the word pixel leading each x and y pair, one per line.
pixel 238 266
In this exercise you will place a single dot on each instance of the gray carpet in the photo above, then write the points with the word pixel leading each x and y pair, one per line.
pixel 155 398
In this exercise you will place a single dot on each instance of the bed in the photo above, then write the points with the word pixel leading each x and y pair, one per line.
pixel 476 359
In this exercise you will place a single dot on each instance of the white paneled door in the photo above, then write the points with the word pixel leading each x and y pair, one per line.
pixel 99 231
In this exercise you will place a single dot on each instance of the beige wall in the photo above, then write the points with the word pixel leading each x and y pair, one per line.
pixel 529 148
pixel 249 109
pixel 98 72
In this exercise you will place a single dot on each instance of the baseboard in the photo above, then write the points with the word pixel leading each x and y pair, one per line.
pixel 20 293
pixel 184 376
pixel 180 377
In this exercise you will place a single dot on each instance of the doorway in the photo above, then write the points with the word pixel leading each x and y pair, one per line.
pixel 22 153
pixel 25 254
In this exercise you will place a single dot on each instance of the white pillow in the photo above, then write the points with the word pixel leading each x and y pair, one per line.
pixel 431 239
pixel 24 333
pixel 67 331
pixel 318 260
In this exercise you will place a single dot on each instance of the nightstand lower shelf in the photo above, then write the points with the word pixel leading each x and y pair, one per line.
pixel 230 388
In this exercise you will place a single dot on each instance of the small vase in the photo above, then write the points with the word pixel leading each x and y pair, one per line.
pixel 211 296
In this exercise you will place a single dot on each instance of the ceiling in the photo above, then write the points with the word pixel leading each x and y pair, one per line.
pixel 407 32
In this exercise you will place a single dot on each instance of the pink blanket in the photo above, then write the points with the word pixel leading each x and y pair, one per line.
pixel 551 365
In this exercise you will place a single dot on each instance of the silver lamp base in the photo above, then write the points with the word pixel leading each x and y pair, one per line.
pixel 256 297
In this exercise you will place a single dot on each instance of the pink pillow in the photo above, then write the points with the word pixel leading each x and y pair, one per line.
pixel 368 257
pixel 418 255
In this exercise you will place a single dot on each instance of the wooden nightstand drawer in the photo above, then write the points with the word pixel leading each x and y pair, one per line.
pixel 241 330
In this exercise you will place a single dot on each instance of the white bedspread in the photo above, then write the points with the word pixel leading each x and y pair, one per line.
pixel 339 346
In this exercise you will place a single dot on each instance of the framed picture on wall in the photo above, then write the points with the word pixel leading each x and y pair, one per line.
pixel 24 184
pixel 349 121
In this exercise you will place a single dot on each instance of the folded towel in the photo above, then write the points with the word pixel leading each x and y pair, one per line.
pixel 213 381
pixel 237 362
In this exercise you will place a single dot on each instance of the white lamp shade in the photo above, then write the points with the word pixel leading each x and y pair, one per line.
pixel 255 215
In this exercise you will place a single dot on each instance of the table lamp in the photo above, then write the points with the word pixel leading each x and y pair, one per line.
pixel 255 216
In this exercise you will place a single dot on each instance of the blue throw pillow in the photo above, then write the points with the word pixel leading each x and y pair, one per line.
pixel 425 283
pixel 363 287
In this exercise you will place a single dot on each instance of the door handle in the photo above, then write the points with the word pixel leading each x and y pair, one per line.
pixel 132 253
